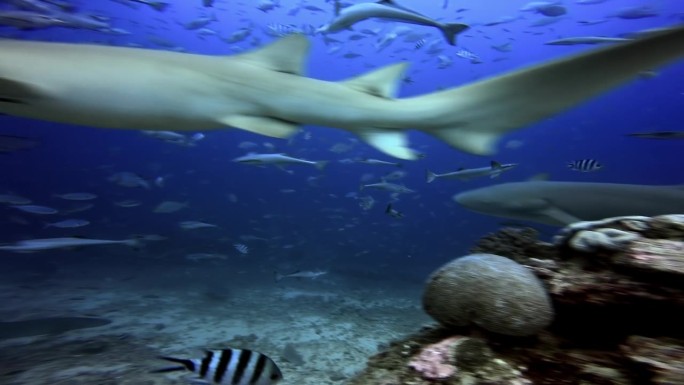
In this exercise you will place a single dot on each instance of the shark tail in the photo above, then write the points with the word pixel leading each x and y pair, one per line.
pixel 473 117
pixel 159 6
pixel 430 176
pixel 451 30
pixel 277 276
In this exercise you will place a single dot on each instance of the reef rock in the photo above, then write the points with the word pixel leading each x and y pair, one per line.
pixel 617 290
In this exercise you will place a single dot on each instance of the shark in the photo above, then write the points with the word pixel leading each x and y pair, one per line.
pixel 493 171
pixel 562 203
pixel 265 91
pixel 387 10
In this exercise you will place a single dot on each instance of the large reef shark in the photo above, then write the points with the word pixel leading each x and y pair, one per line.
pixel 562 203
pixel 265 92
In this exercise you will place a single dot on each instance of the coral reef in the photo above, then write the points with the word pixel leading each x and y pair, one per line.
pixel 493 292
pixel 618 294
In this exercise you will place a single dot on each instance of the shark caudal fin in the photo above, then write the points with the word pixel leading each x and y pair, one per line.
pixel 473 117
pixel 451 30
pixel 430 176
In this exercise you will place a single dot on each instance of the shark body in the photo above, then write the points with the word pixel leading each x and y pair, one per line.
pixel 389 10
pixel 562 203
pixel 265 92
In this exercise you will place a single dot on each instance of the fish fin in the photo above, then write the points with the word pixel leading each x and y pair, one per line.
pixel 170 369
pixel 388 209
pixel 430 176
pixel 562 217
pixel 495 165
pixel 394 4
pixel 160 6
pixel 394 143
pixel 475 115
pixel 383 82
pixel 187 365
pixel 451 30
pixel 286 55
pixel 472 141
pixel 495 175
pixel 338 8
pixel 277 276
pixel 16 92
pixel 261 125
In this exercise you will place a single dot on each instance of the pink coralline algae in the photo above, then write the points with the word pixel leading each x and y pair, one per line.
pixel 436 361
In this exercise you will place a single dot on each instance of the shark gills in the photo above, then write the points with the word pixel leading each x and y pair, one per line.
pixel 264 91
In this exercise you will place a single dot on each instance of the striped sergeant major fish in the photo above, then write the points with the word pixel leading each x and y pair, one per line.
pixel 585 165
pixel 229 366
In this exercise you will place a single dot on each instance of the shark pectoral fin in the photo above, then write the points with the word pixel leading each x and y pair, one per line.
pixel 555 214
pixel 261 125
pixel 394 143
pixel 285 55
pixel 383 82
pixel 472 141
pixel 16 92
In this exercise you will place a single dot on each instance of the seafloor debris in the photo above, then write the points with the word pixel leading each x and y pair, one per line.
pixel 619 309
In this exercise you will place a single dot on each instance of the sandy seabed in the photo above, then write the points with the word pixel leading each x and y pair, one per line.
pixel 334 323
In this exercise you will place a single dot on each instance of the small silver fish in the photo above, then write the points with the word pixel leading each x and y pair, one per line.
pixel 310 274
pixel 388 186
pixel 192 225
pixel 77 196
pixel 168 207
pixel 279 160
pixel 68 223
pixel 35 209
pixel 33 245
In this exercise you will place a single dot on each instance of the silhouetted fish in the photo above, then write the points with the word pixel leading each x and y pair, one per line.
pixel 11 143
pixel 48 325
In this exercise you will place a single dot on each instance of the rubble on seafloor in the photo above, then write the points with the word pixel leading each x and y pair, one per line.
pixel 617 289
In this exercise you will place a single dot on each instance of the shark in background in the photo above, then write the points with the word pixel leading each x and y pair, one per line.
pixel 563 203
pixel 264 91
pixel 387 10
pixel 493 171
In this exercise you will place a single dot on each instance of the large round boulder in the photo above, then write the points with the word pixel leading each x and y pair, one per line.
pixel 493 292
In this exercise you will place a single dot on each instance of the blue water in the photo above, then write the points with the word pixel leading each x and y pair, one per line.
pixel 317 226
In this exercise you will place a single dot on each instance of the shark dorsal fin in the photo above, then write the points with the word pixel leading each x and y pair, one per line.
pixel 383 82
pixel 495 165
pixel 285 55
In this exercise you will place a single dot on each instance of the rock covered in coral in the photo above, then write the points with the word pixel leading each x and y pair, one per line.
pixel 491 291
pixel 643 243
pixel 433 356
pixel 661 359
pixel 619 311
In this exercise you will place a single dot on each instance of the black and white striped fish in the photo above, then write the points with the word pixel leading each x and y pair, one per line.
pixel 230 366
pixel 585 165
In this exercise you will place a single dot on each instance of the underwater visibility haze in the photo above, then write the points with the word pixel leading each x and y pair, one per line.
pixel 183 239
